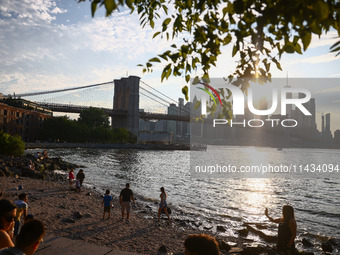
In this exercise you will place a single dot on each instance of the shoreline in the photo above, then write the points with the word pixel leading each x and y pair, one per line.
pixel 200 147
pixel 143 235
pixel 108 146
pixel 78 216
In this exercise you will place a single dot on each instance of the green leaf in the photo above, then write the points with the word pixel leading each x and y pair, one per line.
pixel 278 65
pixel 168 73
pixel 196 80
pixel 335 45
pixel 321 9
pixel 297 48
pixel 185 91
pixel 129 4
pixel 155 59
pixel 93 8
pixel 306 39
pixel 152 24
pixel 289 47
pixel 166 22
pixel 187 78
pixel 155 34
pixel 235 49
pixel 110 6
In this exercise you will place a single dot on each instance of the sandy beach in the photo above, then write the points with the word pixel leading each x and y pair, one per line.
pixel 57 206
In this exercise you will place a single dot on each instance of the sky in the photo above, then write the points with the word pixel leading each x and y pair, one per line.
pixel 46 45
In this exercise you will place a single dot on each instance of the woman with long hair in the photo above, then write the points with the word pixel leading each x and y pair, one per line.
pixel 286 231
pixel 162 205
pixel 8 212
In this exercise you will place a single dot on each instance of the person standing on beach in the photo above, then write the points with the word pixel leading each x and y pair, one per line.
pixel 107 203
pixel 22 207
pixel 31 235
pixel 80 176
pixel 162 205
pixel 77 182
pixel 126 195
pixel 71 177
pixel 8 212
pixel 286 231
pixel 201 245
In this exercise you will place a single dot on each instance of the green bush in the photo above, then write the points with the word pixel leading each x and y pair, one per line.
pixel 11 145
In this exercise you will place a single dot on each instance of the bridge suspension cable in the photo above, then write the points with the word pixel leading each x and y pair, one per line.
pixel 61 90
pixel 153 99
pixel 184 108
pixel 159 92
pixel 168 103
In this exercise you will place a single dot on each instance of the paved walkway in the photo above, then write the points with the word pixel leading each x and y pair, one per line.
pixel 54 245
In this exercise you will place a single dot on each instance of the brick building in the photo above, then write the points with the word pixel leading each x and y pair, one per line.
pixel 22 117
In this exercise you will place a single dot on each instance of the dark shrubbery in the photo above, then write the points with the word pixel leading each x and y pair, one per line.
pixel 62 129
pixel 11 145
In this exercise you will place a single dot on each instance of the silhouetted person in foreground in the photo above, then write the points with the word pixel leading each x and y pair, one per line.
pixel 8 212
pixel 201 245
pixel 287 230
pixel 28 240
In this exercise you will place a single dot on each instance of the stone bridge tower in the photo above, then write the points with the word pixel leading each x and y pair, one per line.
pixel 126 97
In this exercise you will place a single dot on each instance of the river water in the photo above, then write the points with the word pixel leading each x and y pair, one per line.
pixel 228 202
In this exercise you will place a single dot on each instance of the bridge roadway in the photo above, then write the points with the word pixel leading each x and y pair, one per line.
pixel 113 112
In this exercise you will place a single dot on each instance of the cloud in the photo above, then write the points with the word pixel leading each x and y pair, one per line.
pixel 329 57
pixel 326 40
pixel 328 90
pixel 30 12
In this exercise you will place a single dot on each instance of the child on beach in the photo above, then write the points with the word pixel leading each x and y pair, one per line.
pixel 71 177
pixel 107 203
pixel 77 185
pixel 22 207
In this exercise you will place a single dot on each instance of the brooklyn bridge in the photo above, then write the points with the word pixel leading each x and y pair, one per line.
pixel 126 94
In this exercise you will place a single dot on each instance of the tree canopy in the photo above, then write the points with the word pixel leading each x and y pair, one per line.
pixel 260 31
pixel 94 118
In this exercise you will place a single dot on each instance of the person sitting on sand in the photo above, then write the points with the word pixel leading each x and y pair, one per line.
pixel 27 242
pixel 45 154
pixel 201 245
pixel 71 177
pixel 22 207
pixel 286 231
pixel 8 212
pixel 162 205
pixel 81 176
pixel 31 165
pixel 126 195
pixel 38 156
pixel 107 203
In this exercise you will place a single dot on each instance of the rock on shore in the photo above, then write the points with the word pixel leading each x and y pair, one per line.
pixel 18 166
